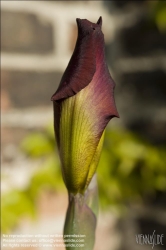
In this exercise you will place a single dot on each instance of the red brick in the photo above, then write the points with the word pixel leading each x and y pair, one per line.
pixel 22 32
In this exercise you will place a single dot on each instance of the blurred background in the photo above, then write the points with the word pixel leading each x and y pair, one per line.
pixel 37 40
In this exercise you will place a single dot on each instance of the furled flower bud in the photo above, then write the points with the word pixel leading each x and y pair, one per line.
pixel 83 105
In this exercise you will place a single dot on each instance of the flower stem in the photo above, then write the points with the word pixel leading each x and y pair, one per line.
pixel 81 218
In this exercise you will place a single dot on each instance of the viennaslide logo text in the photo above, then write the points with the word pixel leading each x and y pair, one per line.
pixel 150 239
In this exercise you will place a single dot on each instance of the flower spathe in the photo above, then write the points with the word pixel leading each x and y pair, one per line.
pixel 83 106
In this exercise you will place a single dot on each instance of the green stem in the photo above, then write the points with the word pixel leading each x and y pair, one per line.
pixel 81 218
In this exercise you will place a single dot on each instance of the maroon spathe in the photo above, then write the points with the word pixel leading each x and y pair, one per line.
pixel 87 67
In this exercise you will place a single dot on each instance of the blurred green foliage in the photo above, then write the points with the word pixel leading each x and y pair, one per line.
pixel 13 205
pixel 130 169
pixel 18 203
pixel 157 14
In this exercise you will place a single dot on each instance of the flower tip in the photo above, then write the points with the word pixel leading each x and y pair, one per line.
pixel 78 21
pixel 99 22
pixel 117 115
pixel 114 112
pixel 53 97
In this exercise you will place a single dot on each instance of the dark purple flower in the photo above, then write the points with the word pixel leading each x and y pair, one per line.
pixel 83 106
